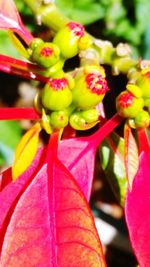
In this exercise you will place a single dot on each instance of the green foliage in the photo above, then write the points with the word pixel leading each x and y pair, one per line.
pixel 6 47
pixel 85 12
pixel 111 153
pixel 119 20
pixel 10 135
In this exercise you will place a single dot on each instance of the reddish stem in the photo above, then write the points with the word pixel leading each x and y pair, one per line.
pixel 22 68
pixel 143 140
pixel 22 73
pixel 18 114
pixel 20 64
pixel 103 131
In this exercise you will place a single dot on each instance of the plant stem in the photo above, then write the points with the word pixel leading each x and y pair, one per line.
pixel 18 114
pixel 106 129
pixel 48 14
pixel 23 73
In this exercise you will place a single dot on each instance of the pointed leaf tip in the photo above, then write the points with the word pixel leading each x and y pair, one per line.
pixel 25 151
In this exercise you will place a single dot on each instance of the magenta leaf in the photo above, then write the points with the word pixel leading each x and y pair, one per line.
pixel 10 19
pixel 137 211
pixel 51 225
pixel 78 154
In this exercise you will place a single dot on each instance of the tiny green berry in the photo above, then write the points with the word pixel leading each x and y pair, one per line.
pixel 59 119
pixel 134 90
pixel 90 88
pixel 127 105
pixel 67 39
pixel 35 43
pixel 56 95
pixel 78 122
pixel 142 120
pixel 46 54
pixel 90 115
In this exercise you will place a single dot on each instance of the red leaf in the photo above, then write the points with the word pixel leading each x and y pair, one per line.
pixel 137 210
pixel 52 225
pixel 131 155
pixel 5 178
pixel 10 19
pixel 143 140
pixel 78 154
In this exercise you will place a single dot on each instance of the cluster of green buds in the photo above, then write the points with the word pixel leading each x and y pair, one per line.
pixel 134 104
pixel 68 98
pixel 74 102
pixel 67 43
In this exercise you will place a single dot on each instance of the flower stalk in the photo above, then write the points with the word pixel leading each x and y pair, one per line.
pixel 18 114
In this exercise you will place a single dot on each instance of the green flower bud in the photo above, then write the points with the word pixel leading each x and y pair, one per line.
pixel 59 119
pixel 35 43
pixel 142 120
pixel 56 94
pixel 80 121
pixel 45 54
pixel 90 87
pixel 67 39
pixel 90 115
pixel 127 105
pixel 134 90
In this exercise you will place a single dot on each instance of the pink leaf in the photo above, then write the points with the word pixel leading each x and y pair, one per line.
pixel 137 210
pixel 131 155
pixel 10 19
pixel 78 154
pixel 52 225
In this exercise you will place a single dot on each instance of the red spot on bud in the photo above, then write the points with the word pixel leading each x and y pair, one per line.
pixel 125 99
pixel 96 83
pixel 58 84
pixel 46 52
pixel 76 28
